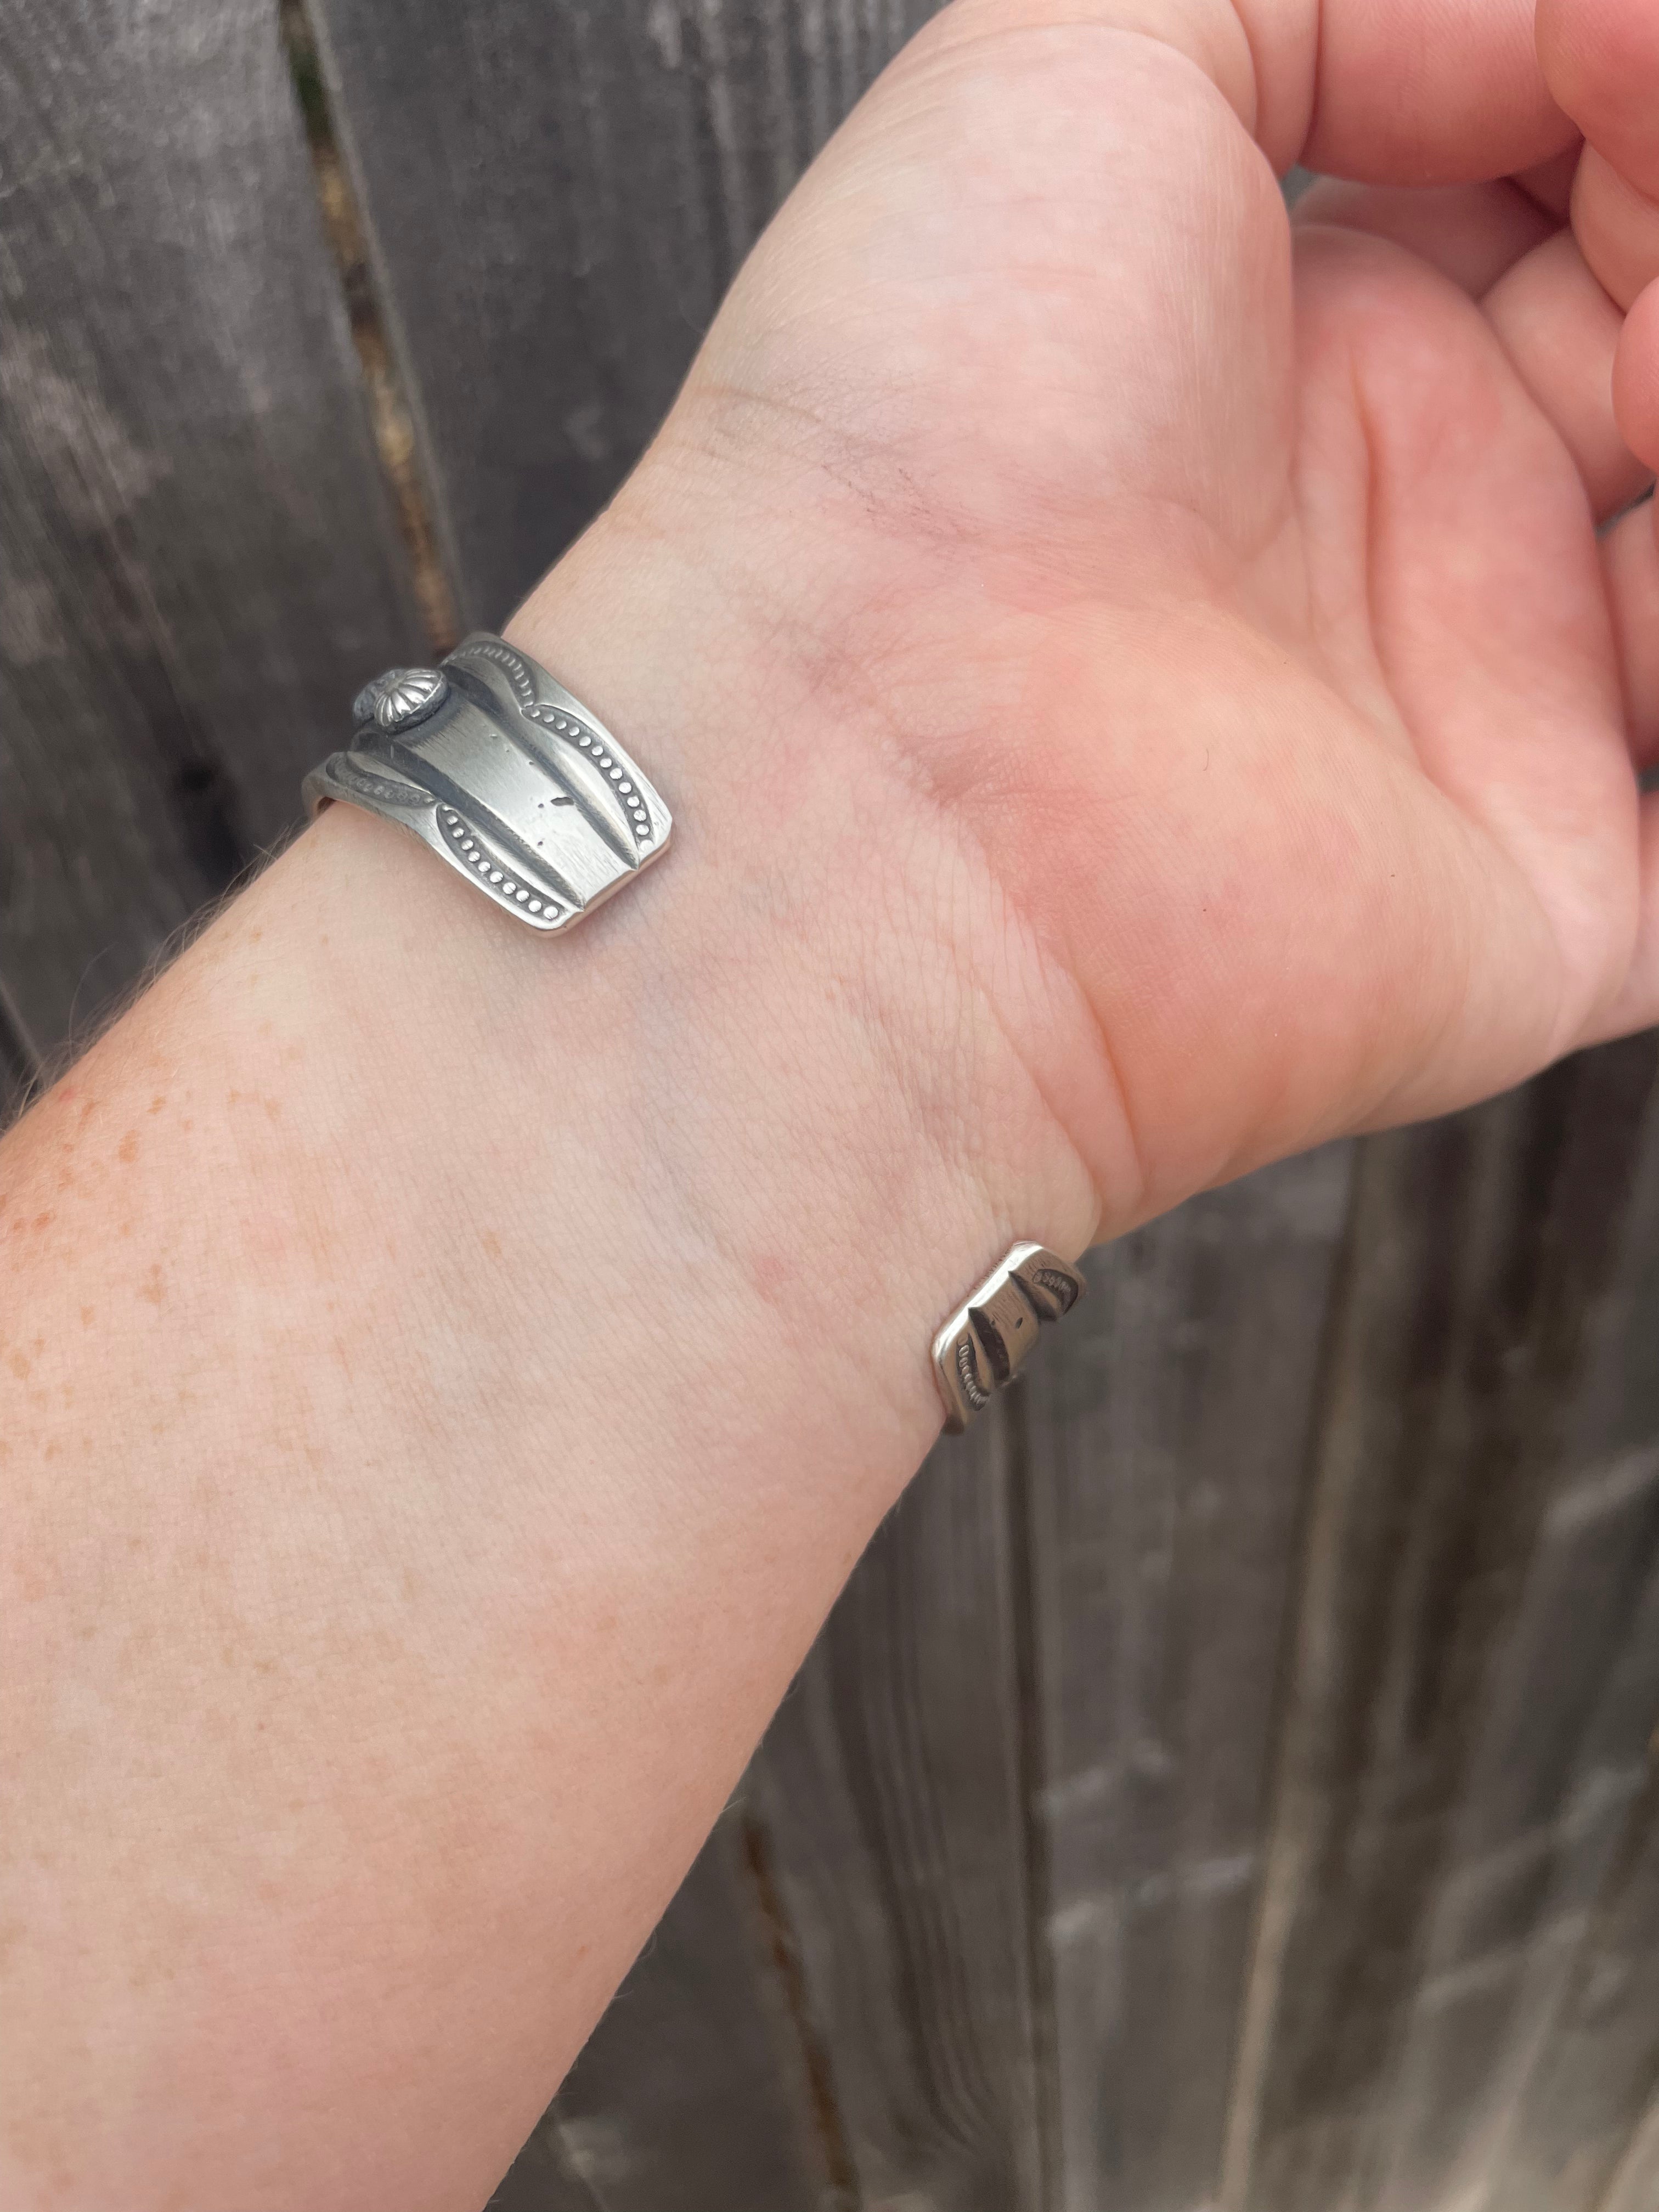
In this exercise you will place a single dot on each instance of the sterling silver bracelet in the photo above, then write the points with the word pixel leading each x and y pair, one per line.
pixel 491 762
pixel 980 1347
pixel 495 765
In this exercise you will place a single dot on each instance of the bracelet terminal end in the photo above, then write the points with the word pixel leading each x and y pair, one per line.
pixel 981 1345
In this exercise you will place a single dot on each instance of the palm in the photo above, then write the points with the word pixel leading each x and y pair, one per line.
pixel 1239 596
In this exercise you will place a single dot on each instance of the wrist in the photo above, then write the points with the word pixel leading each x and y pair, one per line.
pixel 825 891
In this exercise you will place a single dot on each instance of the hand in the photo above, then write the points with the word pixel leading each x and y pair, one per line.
pixel 1230 585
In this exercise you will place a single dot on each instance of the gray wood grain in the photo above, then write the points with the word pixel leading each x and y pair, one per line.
pixel 556 198
pixel 1566 2123
pixel 692 2091
pixel 199 564
pixel 1519 2076
pixel 1444 1803
pixel 19 1067
pixel 893 1787
pixel 542 2179
pixel 1171 1432
pixel 1635 2186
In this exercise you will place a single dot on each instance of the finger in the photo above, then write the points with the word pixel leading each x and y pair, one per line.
pixel 1561 332
pixel 1600 60
pixel 1637 1003
pixel 1419 92
pixel 1636 377
pixel 1470 232
pixel 1617 228
pixel 1630 562
pixel 1390 91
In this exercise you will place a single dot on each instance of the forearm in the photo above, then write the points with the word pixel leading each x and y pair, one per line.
pixel 448 1375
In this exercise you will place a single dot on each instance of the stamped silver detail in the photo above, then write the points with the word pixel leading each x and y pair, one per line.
pixel 376 787
pixel 492 763
pixel 400 697
pixel 984 1342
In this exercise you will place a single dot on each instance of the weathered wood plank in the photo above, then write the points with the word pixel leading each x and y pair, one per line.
pixel 893 1788
pixel 1548 1850
pixel 692 2091
pixel 1170 1434
pixel 1447 1682
pixel 1567 2121
pixel 1635 2186
pixel 18 1065
pixel 200 563
pixel 542 2178
pixel 565 200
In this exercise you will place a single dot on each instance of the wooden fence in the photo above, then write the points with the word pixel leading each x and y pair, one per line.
pixel 1228 1779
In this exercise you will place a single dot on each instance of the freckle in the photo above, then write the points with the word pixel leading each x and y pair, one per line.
pixel 51 1452
pixel 127 1150
pixel 86 1314
pixel 89 1108
pixel 20 1366
pixel 254 935
pixel 125 1228
pixel 492 1244
pixel 135 1543
pixel 274 1108
pixel 45 1220
pixel 150 1288
pixel 157 1103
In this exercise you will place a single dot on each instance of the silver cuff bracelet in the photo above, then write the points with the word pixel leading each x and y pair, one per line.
pixel 497 768
pixel 981 1345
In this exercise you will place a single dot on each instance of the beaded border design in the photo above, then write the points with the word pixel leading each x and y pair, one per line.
pixel 562 724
